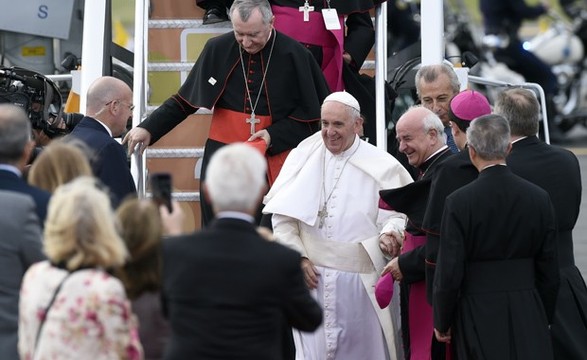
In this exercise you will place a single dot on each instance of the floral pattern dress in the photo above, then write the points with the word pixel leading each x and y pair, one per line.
pixel 90 318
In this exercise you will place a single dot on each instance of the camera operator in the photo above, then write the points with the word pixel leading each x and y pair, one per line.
pixel 41 100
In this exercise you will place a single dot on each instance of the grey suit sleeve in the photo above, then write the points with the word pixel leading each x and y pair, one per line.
pixel 31 244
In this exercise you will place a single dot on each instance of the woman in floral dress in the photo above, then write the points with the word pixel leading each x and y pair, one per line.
pixel 70 306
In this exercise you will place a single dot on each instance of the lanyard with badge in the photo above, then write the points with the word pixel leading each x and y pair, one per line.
pixel 330 16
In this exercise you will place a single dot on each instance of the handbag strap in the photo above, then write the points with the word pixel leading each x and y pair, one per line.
pixel 47 310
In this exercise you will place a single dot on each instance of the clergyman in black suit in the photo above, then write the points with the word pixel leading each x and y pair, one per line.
pixel 16 146
pixel 557 171
pixel 496 277
pixel 108 108
pixel 228 292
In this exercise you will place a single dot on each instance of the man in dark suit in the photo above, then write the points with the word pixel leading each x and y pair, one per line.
pixel 228 292
pixel 21 246
pixel 108 108
pixel 557 171
pixel 15 150
pixel 496 277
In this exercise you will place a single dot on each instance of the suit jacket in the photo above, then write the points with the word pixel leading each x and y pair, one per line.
pixel 110 163
pixel 554 169
pixel 229 293
pixel 9 181
pixel 557 171
pixel 20 246
pixel 496 277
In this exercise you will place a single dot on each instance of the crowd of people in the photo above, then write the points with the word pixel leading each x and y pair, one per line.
pixel 472 220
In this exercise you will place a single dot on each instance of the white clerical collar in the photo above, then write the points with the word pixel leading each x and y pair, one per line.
pixel 521 138
pixel 436 152
pixel 105 126
pixel 492 165
pixel 235 215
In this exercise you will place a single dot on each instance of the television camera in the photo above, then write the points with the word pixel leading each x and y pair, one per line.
pixel 39 97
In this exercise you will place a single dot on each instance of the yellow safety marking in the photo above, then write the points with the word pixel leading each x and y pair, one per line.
pixel 33 51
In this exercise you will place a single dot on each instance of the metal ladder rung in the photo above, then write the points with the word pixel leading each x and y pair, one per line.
pixel 181 196
pixel 187 66
pixel 187 24
pixel 190 24
pixel 170 153
pixel 170 66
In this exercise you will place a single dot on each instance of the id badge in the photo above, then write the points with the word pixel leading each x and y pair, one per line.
pixel 331 20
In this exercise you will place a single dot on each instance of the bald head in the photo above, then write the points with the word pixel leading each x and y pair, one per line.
pixel 420 134
pixel 110 100
pixel 103 90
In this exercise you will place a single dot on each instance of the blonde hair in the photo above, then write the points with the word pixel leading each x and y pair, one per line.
pixel 142 229
pixel 80 229
pixel 59 163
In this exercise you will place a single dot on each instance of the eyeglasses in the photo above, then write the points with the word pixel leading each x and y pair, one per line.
pixel 131 107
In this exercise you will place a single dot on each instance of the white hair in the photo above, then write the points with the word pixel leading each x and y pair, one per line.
pixel 235 178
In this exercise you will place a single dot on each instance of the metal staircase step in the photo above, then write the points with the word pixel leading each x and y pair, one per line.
pixel 187 24
pixel 187 66
pixel 170 66
pixel 181 196
pixel 172 153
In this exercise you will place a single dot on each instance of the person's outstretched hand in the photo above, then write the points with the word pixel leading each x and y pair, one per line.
pixel 136 136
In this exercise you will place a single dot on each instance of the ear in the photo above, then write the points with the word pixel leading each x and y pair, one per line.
pixel 359 130
pixel 509 149
pixel 454 128
pixel 472 152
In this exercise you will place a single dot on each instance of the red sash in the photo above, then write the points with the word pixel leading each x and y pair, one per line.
pixel 229 126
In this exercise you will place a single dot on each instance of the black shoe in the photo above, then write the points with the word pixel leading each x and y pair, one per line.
pixel 214 15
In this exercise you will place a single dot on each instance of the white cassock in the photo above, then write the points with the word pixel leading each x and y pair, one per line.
pixel 346 248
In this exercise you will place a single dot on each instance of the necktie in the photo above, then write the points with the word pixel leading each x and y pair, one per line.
pixel 450 141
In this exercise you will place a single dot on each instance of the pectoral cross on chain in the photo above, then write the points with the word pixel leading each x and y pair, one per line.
pixel 306 9
pixel 322 214
pixel 252 120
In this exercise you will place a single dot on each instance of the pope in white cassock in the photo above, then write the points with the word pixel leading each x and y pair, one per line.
pixel 325 205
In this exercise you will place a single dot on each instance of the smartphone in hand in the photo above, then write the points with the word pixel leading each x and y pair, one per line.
pixel 161 189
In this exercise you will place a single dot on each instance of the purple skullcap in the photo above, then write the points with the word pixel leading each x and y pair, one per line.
pixel 468 105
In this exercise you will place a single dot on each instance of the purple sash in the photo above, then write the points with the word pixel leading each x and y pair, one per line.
pixel 421 325
pixel 290 21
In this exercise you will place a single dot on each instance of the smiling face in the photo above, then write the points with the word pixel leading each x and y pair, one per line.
pixel 436 95
pixel 416 143
pixel 253 34
pixel 338 126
